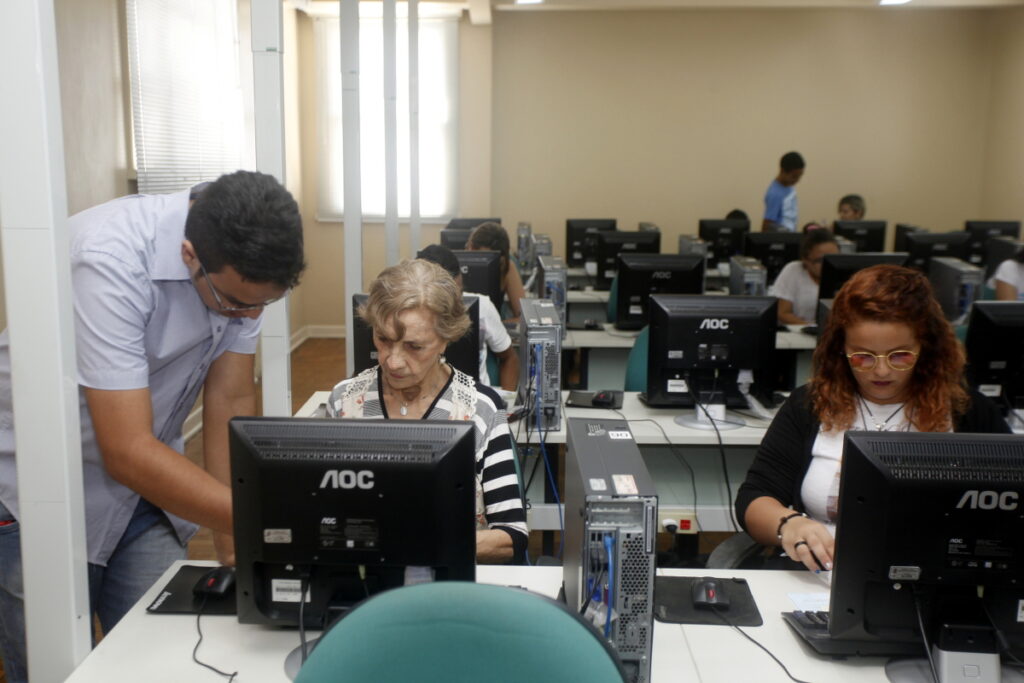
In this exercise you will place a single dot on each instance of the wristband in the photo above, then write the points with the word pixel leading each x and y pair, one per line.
pixel 782 522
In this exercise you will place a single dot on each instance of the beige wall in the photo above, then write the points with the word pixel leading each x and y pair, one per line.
pixel 1004 168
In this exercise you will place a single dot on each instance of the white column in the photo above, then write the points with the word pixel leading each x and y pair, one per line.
pixel 390 132
pixel 37 274
pixel 268 95
pixel 414 126
pixel 349 15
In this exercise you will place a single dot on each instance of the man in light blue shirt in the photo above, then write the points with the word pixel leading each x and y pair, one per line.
pixel 168 295
pixel 780 205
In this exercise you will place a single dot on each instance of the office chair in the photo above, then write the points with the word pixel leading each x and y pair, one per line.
pixel 460 632
pixel 636 363
pixel 734 552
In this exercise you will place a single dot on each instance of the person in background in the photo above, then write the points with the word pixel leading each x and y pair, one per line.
pixel 811 226
pixel 415 310
pixel 493 334
pixel 887 360
pixel 797 284
pixel 852 208
pixel 1008 280
pixel 169 292
pixel 737 215
pixel 492 237
pixel 780 204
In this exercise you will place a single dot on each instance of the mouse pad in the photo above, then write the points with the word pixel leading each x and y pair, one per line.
pixel 177 598
pixel 674 605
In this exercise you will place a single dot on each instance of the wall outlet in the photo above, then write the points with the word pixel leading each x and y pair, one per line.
pixel 685 518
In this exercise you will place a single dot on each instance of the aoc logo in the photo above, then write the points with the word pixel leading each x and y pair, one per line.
pixel 714 324
pixel 988 500
pixel 347 479
pixel 661 275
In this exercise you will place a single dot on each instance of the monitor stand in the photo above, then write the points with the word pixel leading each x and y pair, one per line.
pixel 293 660
pixel 950 667
pixel 710 416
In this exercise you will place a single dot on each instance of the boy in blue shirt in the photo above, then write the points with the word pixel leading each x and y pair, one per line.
pixel 780 205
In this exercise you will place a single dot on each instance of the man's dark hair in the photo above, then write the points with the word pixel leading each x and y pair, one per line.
pixel 442 256
pixel 248 221
pixel 737 215
pixel 813 238
pixel 791 161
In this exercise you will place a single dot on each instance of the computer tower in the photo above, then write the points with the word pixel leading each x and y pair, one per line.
pixel 540 245
pixel 552 283
pixel 540 364
pixel 957 284
pixel 846 246
pixel 610 532
pixel 523 253
pixel 691 244
pixel 747 277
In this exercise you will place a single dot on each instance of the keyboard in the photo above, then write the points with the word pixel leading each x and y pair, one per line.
pixel 813 628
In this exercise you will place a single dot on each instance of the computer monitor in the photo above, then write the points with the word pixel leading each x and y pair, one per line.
pixel 700 344
pixel 576 230
pixel 902 230
pixel 836 269
pixel 463 354
pixel 641 275
pixel 342 509
pixel 724 238
pixel 982 231
pixel 997 250
pixel 481 274
pixel 926 524
pixel 609 244
pixel 773 249
pixel 867 235
pixel 469 223
pixel 454 238
pixel 995 351
pixel 922 246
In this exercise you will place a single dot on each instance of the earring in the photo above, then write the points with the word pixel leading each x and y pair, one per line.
pixel 441 359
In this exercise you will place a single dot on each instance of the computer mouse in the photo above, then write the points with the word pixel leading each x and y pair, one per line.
pixel 603 399
pixel 216 582
pixel 709 592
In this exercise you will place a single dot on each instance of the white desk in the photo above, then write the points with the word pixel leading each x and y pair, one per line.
pixel 157 648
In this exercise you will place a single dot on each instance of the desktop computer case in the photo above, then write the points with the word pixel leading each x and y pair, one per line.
pixel 608 491
pixel 553 284
pixel 747 277
pixel 540 325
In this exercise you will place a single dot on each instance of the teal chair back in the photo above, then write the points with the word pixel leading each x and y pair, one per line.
pixel 636 363
pixel 458 632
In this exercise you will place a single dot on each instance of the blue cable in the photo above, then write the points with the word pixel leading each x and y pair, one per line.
pixel 544 452
pixel 611 585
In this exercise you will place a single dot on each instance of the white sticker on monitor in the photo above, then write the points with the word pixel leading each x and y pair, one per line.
pixel 990 390
pixel 636 310
pixel 277 535
pixel 621 434
pixel 287 590
pixel 1020 611
pixel 610 274
pixel 625 484
pixel 675 354
pixel 677 386
pixel 598 485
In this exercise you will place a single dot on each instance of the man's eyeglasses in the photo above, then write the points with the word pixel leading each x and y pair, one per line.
pixel 862 361
pixel 233 308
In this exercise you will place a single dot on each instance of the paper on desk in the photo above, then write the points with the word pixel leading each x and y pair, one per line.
pixel 809 602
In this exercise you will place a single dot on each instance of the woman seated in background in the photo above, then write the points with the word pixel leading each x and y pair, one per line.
pixel 415 310
pixel 1008 280
pixel 887 360
pixel 852 208
pixel 797 284
pixel 492 237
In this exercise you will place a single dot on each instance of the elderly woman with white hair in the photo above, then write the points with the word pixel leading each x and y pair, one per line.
pixel 415 310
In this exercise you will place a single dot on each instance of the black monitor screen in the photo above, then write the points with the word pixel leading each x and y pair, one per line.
pixel 902 230
pixel 469 223
pixel 922 246
pixel 866 235
pixel 995 351
pixel 342 509
pixel 463 354
pixel 774 250
pixel 982 231
pixel 641 275
pixel 481 274
pixel 928 519
pixel 723 237
pixel 612 243
pixel 836 269
pixel 576 230
pixel 454 239
pixel 698 345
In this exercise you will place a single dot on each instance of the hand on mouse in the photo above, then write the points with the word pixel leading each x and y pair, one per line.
pixel 805 539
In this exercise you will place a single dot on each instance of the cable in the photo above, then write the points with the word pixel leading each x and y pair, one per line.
pixel 303 587
pixel 714 608
pixel 721 448
pixel 611 585
pixel 195 650
pixel 924 636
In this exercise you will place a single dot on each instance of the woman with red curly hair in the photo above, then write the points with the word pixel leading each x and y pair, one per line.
pixel 888 361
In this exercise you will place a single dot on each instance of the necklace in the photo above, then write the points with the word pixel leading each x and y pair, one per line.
pixel 403 410
pixel 879 426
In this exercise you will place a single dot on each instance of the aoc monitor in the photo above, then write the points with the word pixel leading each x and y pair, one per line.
pixel 576 230
pixel 463 353
pixel 836 269
pixel 902 230
pixel 922 246
pixel 724 238
pixel 481 274
pixel 454 239
pixel 995 352
pixel 982 231
pixel 469 223
pixel 699 344
pixel 642 275
pixel 773 249
pixel 327 512
pixel 926 525
pixel 609 244
pixel 867 235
